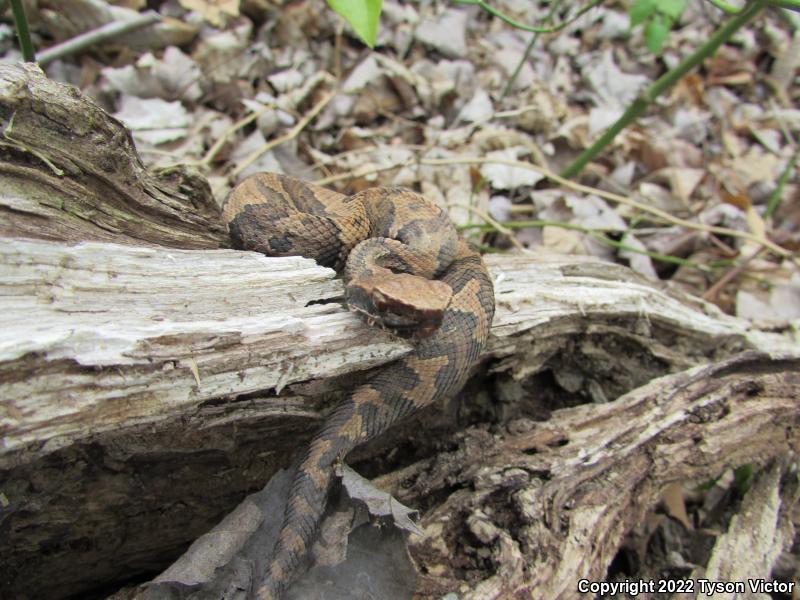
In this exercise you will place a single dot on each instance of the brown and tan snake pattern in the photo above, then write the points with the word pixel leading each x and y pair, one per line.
pixel 405 268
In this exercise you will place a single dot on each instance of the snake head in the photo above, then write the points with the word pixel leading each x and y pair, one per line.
pixel 408 305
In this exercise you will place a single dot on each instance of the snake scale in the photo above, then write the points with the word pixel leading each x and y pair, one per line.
pixel 406 269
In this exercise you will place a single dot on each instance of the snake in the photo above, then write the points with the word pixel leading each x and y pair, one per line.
pixel 405 269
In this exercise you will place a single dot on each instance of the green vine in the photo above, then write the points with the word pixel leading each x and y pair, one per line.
pixel 505 18
pixel 665 82
pixel 598 235
pixel 23 33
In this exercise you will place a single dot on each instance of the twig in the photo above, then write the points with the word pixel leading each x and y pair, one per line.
pixel 14 143
pixel 615 198
pixel 291 134
pixel 493 222
pixel 214 150
pixel 504 17
pixel 619 199
pixel 95 36
pixel 775 197
pixel 528 49
pixel 337 50
pixel 596 234
pixel 297 97
pixel 360 173
pixel 711 293
pixel 505 114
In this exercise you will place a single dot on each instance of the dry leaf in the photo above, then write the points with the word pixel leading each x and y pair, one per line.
pixel 505 177
pixel 379 503
pixel 778 303
pixel 213 11
pixel 563 241
pixel 757 165
pixel 675 505
pixel 740 201
pixel 136 5
pixel 690 88
pixel 682 180
pixel 639 262
pixel 153 120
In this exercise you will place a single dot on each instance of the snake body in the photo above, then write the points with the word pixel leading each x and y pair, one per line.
pixel 397 250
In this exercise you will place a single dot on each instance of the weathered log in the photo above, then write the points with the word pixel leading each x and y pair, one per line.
pixel 148 382
pixel 102 337
pixel 552 501
pixel 69 171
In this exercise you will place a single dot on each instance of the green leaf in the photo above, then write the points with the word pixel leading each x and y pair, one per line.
pixel 641 11
pixel 672 8
pixel 743 478
pixel 363 16
pixel 655 32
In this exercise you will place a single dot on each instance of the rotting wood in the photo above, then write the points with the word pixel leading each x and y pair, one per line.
pixel 552 501
pixel 103 337
pixel 758 534
pixel 69 171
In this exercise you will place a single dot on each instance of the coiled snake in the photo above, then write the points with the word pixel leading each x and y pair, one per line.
pixel 406 269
